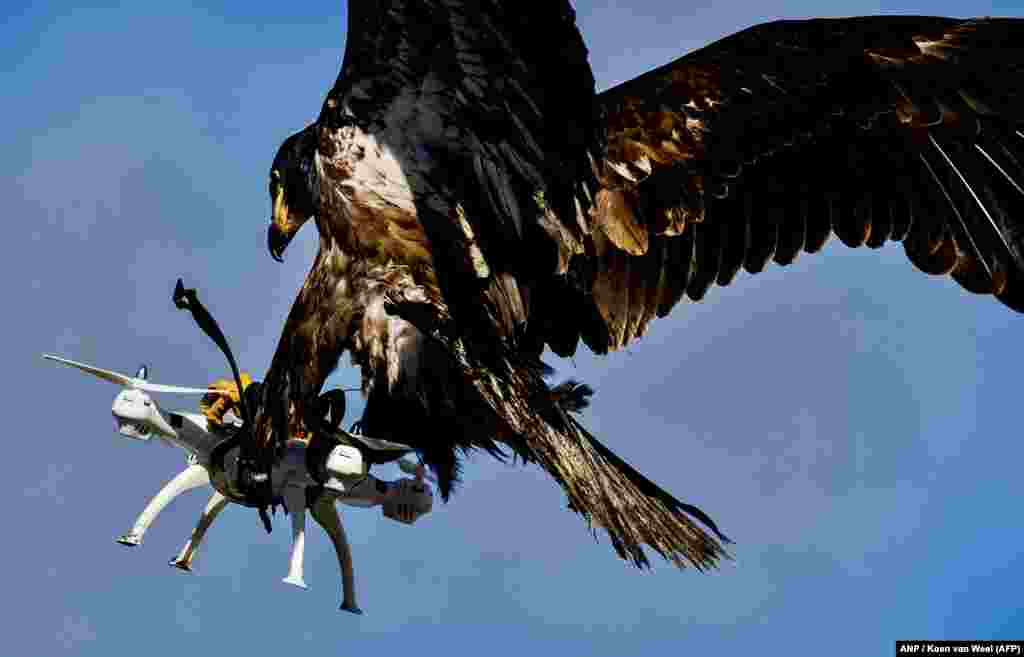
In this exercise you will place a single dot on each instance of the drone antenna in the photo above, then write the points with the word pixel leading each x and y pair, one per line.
pixel 186 299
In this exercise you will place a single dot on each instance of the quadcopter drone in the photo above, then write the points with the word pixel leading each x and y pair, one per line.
pixel 300 479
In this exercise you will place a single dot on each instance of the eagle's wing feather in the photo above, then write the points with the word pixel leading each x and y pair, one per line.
pixel 767 142
pixel 485 108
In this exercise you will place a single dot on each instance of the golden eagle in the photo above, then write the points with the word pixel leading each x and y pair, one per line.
pixel 478 202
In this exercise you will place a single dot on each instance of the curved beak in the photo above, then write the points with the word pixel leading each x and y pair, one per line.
pixel 277 241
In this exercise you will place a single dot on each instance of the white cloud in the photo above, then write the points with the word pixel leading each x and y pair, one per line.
pixel 75 631
pixel 187 610
pixel 49 485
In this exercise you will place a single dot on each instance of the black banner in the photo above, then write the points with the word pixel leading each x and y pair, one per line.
pixel 904 648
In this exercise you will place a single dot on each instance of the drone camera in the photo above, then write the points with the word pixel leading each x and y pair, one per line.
pixel 133 430
pixel 131 410
pixel 414 500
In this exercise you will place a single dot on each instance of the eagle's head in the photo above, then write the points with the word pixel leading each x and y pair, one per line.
pixel 293 189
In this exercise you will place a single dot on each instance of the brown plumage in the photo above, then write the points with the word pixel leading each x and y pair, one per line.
pixel 477 202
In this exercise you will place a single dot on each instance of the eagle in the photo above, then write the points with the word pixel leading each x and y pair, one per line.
pixel 479 203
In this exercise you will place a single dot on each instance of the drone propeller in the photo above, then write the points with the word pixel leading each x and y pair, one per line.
pixel 131 381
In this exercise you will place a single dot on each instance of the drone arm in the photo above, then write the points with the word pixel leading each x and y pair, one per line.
pixel 295 501
pixel 188 553
pixel 161 422
pixel 326 515
pixel 191 477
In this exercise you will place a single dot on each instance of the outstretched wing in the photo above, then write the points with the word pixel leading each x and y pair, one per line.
pixel 766 143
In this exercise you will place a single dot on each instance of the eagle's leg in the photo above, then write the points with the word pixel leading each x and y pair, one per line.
pixel 295 501
pixel 191 477
pixel 327 516
pixel 188 553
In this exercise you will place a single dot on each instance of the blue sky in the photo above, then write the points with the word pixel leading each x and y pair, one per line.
pixel 851 423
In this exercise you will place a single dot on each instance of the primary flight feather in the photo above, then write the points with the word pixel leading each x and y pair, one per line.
pixel 477 202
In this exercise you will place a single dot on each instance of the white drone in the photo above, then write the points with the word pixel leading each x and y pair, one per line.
pixel 345 475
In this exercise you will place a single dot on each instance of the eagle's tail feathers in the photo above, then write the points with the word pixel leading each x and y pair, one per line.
pixel 611 494
pixel 648 487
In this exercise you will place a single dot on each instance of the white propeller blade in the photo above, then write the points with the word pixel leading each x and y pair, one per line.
pixel 130 381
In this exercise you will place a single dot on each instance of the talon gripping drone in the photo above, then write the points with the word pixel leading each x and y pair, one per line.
pixel 299 478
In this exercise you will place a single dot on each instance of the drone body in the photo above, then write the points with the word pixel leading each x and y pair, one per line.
pixel 140 418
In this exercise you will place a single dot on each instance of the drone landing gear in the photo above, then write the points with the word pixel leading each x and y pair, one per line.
pixel 129 539
pixel 188 553
pixel 295 502
pixel 326 515
pixel 191 477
